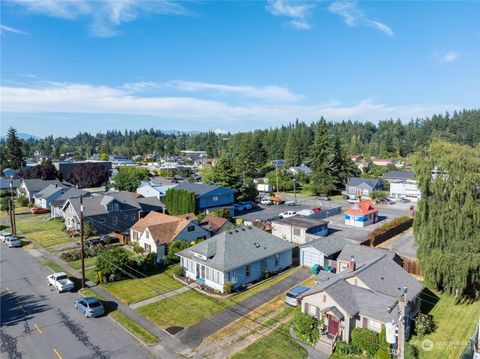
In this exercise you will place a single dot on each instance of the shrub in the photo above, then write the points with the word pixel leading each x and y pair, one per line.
pixel 383 351
pixel 4 204
pixel 228 287
pixel 173 248
pixel 88 230
pixel 22 201
pixel 424 325
pixel 5 193
pixel 306 327
pixel 366 340
pixel 111 262
pixel 346 348
pixel 178 271
pixel 267 274
pixel 411 352
pixel 137 248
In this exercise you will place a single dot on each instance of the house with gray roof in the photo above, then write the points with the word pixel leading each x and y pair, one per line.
pixel 5 183
pixel 209 198
pixel 364 294
pixel 54 196
pixel 297 228
pixel 362 187
pixel 29 187
pixel 321 251
pixel 399 175
pixel 239 256
pixel 114 211
pixel 295 170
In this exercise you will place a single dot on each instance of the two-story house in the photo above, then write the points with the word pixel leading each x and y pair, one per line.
pixel 364 293
pixel 29 187
pixel 362 187
pixel 239 256
pixel 156 230
pixel 210 198
pixel 297 229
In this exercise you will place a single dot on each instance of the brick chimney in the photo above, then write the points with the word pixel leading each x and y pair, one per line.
pixel 352 264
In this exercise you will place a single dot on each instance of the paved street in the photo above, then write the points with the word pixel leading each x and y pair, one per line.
pixel 36 322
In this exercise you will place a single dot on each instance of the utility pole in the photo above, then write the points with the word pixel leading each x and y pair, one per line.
pixel 82 255
pixel 276 173
pixel 402 300
pixel 295 189
pixel 13 224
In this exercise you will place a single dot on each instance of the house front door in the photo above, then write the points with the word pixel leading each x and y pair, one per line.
pixel 202 272
pixel 332 325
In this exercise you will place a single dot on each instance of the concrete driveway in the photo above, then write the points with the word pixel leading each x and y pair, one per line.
pixel 194 335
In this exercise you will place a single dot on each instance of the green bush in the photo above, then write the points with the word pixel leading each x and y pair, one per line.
pixel 424 324
pixel 137 248
pixel 5 193
pixel 346 348
pixel 306 327
pixel 22 201
pixel 4 204
pixel 411 352
pixel 88 230
pixel 228 287
pixel 178 271
pixel 173 248
pixel 112 262
pixel 366 340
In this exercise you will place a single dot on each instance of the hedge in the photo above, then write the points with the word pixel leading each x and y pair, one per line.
pixel 389 229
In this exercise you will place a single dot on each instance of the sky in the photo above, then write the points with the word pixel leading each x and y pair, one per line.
pixel 70 66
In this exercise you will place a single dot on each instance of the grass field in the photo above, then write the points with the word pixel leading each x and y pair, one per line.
pixel 171 311
pixel 455 326
pixel 89 262
pixel 137 330
pixel 53 266
pixel 135 290
pixel 46 233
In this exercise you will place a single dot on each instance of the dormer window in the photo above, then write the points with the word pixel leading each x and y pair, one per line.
pixel 191 228
pixel 110 207
pixel 147 234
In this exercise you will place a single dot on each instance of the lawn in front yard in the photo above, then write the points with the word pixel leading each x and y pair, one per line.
pixel 89 262
pixel 455 326
pixel 170 312
pixel 135 290
pixel 38 228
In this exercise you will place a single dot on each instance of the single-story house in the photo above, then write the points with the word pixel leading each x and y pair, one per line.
pixel 5 183
pixel 29 187
pixel 214 224
pixel 362 187
pixel 115 211
pixel 238 256
pixel 321 251
pixel 361 214
pixel 395 176
pixel 210 196
pixel 156 230
pixel 43 198
pixel 149 190
pixel 364 294
pixel 56 204
pixel 403 185
pixel 302 168
pixel 295 229
pixel 9 172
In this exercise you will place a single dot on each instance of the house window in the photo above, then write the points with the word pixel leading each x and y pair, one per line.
pixel 374 325
pixel 125 216
pixel 115 206
pixel 148 248
pixel 102 220
pixel 147 234
pixel 229 277
pixel 247 271
pixel 215 198
pixel 312 310
pixel 114 221
pixel 277 259
pixel 191 228
pixel 296 231
pixel 132 216
pixel 110 207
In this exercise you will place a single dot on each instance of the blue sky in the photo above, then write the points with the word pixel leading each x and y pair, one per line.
pixel 70 66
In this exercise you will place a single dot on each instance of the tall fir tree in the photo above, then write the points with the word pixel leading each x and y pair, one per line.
pixel 13 151
pixel 224 173
pixel 322 179
pixel 447 219
pixel 292 150
pixel 342 166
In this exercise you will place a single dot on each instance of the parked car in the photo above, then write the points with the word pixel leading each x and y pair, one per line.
pixel 238 207
pixel 391 200
pixel 91 307
pixel 404 200
pixel 108 239
pixel 246 205
pixel 353 200
pixel 60 281
pixel 13 242
pixel 287 214
pixel 292 296
pixel 266 202
pixel 4 235
pixel 323 198
pixel 290 203
pixel 95 242
pixel 39 210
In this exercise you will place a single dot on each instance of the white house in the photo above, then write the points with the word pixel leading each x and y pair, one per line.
pixel 321 251
pixel 297 228
pixel 149 190
pixel 156 230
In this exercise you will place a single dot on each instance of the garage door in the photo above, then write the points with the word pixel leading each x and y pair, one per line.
pixel 311 257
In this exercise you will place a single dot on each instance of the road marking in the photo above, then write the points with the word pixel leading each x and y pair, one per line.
pixel 57 353
pixel 8 290
pixel 37 327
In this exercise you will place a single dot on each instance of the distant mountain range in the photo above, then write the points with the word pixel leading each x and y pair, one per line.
pixel 22 136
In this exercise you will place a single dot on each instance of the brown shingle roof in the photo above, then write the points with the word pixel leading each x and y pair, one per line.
pixel 162 227
pixel 212 223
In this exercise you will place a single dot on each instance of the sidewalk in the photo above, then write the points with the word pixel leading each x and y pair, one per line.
pixel 163 296
pixel 169 347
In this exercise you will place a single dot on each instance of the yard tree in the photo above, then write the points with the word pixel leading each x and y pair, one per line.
pixel 342 166
pixel 90 174
pixel 322 177
pixel 45 172
pixel 224 173
pixel 292 150
pixel 13 149
pixel 112 261
pixel 447 220
pixel 179 201
pixel 129 178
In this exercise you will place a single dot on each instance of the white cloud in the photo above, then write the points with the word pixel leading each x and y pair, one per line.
pixel 71 98
pixel 5 28
pixel 297 12
pixel 446 57
pixel 106 15
pixel 220 131
pixel 352 15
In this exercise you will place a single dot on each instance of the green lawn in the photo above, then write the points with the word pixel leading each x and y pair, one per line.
pixel 46 233
pixel 89 262
pixel 455 326
pixel 274 345
pixel 53 266
pixel 135 290
pixel 174 311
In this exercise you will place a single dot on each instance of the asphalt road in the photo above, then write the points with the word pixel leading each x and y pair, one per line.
pixel 36 322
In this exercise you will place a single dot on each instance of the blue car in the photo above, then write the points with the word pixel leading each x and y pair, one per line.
pixel 91 307
pixel 292 296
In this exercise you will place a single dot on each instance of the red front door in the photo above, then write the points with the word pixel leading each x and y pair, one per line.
pixel 332 326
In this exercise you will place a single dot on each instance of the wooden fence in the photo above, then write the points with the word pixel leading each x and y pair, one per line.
pixel 377 239
pixel 411 265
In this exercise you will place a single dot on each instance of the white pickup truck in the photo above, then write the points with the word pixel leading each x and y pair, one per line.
pixel 60 281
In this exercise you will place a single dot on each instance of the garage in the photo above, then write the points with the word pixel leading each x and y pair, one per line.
pixel 310 256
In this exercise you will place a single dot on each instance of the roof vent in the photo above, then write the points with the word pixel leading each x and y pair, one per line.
pixel 229 232
pixel 236 231
pixel 257 245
